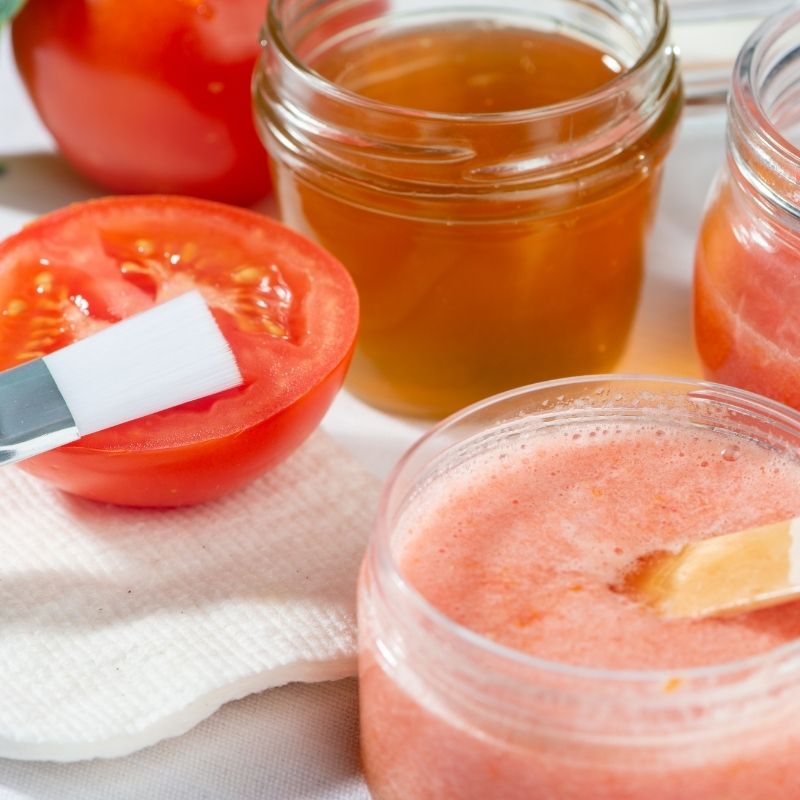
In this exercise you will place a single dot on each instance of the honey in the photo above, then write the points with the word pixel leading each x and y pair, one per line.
pixel 488 183
pixel 469 69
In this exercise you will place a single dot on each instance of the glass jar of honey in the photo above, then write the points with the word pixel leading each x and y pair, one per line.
pixel 487 171
pixel 747 267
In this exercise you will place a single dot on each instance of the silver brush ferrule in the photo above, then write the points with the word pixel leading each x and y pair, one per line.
pixel 33 415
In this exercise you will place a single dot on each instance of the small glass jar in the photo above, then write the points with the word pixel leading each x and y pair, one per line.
pixel 493 246
pixel 450 713
pixel 747 267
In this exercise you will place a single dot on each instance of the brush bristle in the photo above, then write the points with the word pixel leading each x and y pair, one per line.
pixel 168 355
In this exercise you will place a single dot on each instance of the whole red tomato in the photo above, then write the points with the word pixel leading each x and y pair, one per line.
pixel 288 310
pixel 149 95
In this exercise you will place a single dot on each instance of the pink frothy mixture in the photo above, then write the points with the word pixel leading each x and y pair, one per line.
pixel 527 546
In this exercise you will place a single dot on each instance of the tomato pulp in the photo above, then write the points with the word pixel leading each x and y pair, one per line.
pixel 151 96
pixel 288 309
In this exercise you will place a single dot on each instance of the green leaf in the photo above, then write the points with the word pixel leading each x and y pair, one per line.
pixel 8 8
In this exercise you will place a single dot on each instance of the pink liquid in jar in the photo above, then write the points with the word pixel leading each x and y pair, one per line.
pixel 502 660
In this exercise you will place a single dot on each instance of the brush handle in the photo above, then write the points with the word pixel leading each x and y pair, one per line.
pixel 34 417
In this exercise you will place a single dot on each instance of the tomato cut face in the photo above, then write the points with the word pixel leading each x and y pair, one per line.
pixel 287 308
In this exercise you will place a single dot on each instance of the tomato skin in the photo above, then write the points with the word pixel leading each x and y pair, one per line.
pixel 191 474
pixel 205 449
pixel 149 96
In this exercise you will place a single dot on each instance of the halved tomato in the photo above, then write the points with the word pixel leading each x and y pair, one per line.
pixel 288 309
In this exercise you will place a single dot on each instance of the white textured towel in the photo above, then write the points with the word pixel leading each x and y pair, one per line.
pixel 120 627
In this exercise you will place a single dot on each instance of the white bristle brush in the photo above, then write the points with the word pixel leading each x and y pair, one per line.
pixel 168 355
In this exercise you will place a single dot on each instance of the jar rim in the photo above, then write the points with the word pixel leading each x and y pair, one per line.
pixel 476 642
pixel 657 45
pixel 752 131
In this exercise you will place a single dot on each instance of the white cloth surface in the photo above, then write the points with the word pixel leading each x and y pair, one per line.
pixel 294 743
pixel 123 626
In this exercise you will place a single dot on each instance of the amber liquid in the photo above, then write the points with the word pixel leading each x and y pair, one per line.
pixel 459 306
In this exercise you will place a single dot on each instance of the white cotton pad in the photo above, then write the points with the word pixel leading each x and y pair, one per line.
pixel 120 627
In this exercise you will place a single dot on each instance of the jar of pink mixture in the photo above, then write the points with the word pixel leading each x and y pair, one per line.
pixel 500 657
pixel 747 264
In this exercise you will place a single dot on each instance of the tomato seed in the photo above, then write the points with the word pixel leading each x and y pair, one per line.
pixel 15 307
pixel 248 275
pixel 49 305
pixel 127 267
pixel 44 282
pixel 30 355
pixel 47 324
pixel 274 328
pixel 144 247
pixel 42 342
